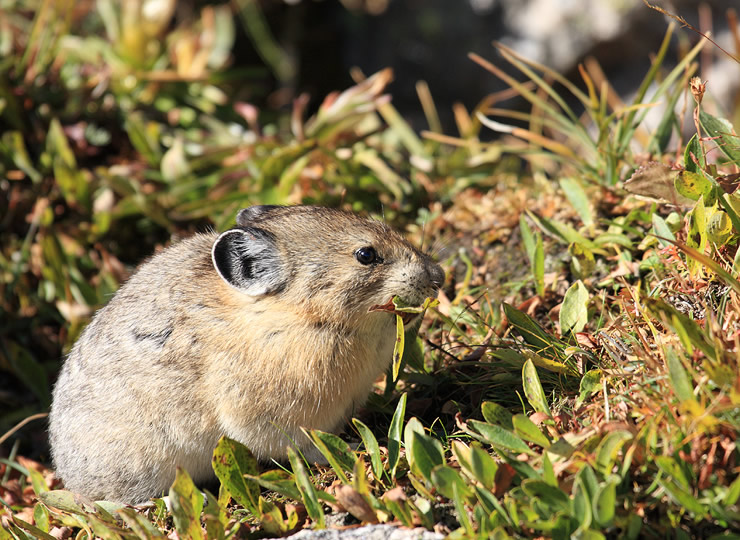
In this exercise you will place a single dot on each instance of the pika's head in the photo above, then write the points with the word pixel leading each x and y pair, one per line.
pixel 334 264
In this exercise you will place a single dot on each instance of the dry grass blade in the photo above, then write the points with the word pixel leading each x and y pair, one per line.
pixel 686 24
pixel 521 64
pixel 523 90
pixel 549 144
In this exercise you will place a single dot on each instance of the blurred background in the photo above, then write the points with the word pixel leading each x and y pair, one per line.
pixel 429 40
pixel 127 124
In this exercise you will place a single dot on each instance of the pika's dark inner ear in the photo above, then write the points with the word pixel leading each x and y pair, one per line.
pixel 248 260
pixel 246 215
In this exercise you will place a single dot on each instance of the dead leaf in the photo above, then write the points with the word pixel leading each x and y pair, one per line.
pixel 355 504
pixel 656 181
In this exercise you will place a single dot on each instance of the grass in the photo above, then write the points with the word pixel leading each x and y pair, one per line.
pixel 579 377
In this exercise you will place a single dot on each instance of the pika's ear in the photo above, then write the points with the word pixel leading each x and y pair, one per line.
pixel 246 215
pixel 248 259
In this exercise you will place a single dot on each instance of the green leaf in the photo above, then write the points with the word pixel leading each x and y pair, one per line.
pixel 139 524
pixel 41 516
pixel 187 504
pixel 305 487
pixel 371 446
pixel 174 164
pixel 17 151
pixel 589 534
pixel 634 527
pixel 577 197
pixel 538 266
pixel 574 311
pixel 144 136
pixel 548 471
pixel 590 483
pixel 606 452
pixel 722 131
pixel 499 437
pixel 277 480
pixel 444 477
pixel 680 381
pixel 425 453
pixel 730 202
pixel 394 436
pixel 360 482
pixel 694 147
pixel 527 430
pixel 553 496
pixel 661 230
pixel 605 239
pixel 215 518
pixel 733 493
pixel 710 263
pixel 491 504
pixel 532 333
pixel 336 451
pixel 590 383
pixel 35 531
pixel 38 482
pixel 693 185
pixel 401 511
pixel 582 261
pixel 57 144
pixel 483 466
pixel 61 500
pixel 400 305
pixel 458 499
pixel 231 461
pixel 533 389
pixel 528 240
pixel 414 424
pixel 564 232
pixel 674 318
pixel 719 228
pixel 398 347
pixel 605 503
pixel 581 505
pixel 697 237
pixel 271 518
pixel 683 498
pixel 493 413
pixel 661 137
pixel 672 469
pixel 562 448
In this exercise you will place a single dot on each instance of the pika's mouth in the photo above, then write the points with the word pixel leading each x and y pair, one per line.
pixel 407 318
pixel 408 315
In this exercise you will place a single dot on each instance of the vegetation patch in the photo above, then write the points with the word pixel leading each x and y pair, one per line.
pixel 579 375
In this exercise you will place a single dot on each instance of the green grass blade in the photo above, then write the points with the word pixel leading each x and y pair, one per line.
pixel 394 435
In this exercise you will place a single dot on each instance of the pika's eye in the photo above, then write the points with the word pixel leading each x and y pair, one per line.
pixel 366 255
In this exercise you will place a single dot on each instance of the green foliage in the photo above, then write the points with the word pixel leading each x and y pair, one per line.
pixel 556 129
pixel 124 126
pixel 232 462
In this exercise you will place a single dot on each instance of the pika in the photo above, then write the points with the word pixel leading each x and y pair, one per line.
pixel 253 334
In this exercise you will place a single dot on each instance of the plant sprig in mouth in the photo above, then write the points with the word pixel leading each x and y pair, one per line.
pixel 405 316
pixel 407 313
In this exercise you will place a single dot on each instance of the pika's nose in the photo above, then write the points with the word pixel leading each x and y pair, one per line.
pixel 436 275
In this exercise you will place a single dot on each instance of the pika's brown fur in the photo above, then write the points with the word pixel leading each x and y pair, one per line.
pixel 252 334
